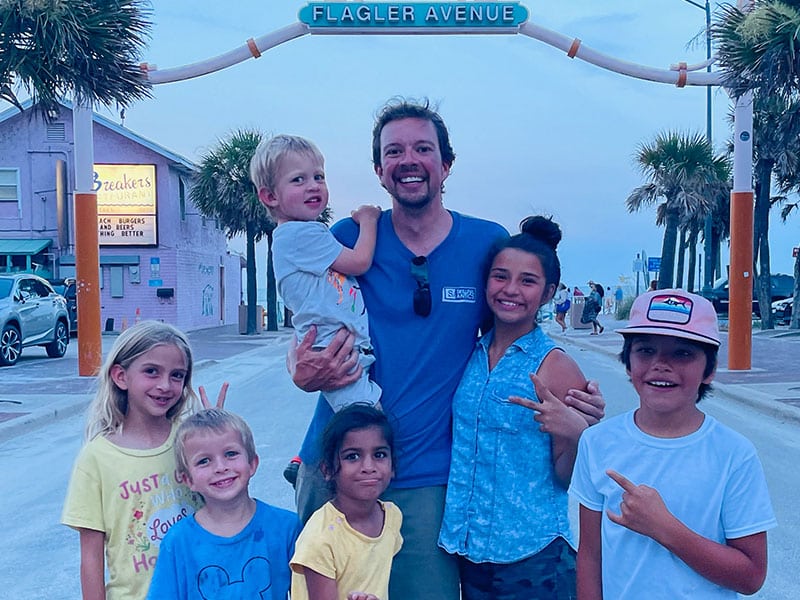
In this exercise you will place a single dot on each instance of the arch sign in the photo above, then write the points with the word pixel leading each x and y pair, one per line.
pixel 414 17
pixel 445 18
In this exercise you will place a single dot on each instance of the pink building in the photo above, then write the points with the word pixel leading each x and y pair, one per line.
pixel 159 257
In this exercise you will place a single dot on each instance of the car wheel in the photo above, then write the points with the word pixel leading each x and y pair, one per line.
pixel 10 345
pixel 58 347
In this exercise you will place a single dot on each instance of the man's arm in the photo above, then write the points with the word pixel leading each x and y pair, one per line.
pixel 327 369
pixel 590 556
pixel 92 564
pixel 740 564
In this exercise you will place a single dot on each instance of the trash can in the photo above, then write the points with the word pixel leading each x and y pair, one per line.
pixel 575 312
pixel 243 318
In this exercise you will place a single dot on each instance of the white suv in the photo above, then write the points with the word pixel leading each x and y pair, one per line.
pixel 31 314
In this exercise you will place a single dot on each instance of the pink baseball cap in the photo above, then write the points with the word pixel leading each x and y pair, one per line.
pixel 674 312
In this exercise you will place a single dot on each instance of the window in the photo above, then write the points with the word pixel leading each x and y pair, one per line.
pixel 9 185
pixel 182 197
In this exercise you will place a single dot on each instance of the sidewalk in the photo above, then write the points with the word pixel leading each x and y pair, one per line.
pixel 771 385
pixel 38 390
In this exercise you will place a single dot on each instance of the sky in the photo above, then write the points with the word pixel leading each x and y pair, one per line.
pixel 534 131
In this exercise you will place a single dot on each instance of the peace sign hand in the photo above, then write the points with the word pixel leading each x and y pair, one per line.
pixel 642 509
pixel 554 417
pixel 220 397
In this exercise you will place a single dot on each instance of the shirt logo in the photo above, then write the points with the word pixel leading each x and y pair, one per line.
pixel 459 294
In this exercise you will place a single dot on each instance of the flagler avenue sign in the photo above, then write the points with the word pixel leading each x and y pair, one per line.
pixel 414 17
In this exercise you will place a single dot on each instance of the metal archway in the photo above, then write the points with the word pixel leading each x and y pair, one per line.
pixel 680 75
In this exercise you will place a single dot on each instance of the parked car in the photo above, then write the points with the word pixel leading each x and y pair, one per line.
pixel 31 314
pixel 782 311
pixel 782 286
pixel 67 288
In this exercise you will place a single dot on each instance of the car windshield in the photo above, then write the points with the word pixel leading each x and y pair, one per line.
pixel 5 287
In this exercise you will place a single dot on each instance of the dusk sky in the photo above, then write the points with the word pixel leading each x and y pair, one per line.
pixel 534 131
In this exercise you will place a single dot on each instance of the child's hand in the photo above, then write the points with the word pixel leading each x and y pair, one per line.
pixel 589 403
pixel 366 213
pixel 554 417
pixel 642 509
pixel 220 397
pixel 361 596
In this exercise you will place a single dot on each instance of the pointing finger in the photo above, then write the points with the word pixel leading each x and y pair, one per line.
pixel 525 402
pixel 624 483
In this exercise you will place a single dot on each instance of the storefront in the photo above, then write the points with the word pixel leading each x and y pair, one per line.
pixel 159 257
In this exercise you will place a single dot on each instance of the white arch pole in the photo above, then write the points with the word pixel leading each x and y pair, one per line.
pixel 255 47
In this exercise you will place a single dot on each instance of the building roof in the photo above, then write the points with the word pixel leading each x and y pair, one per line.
pixel 179 160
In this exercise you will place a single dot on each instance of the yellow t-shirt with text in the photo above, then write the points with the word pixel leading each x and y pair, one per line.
pixel 134 497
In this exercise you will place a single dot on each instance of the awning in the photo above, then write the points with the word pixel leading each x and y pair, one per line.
pixel 24 247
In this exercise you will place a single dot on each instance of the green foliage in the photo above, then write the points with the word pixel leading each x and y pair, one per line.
pixel 684 181
pixel 623 312
pixel 223 190
pixel 759 49
pixel 87 49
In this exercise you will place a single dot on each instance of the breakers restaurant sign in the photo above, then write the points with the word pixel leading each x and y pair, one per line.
pixel 414 17
pixel 126 204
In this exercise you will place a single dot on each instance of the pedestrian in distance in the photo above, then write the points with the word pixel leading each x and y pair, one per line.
pixel 562 304
pixel 234 546
pixel 670 499
pixel 618 297
pixel 592 307
pixel 124 491
pixel 515 437
pixel 653 285
pixel 346 547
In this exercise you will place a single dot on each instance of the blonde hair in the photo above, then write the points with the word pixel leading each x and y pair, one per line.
pixel 110 404
pixel 266 161
pixel 212 419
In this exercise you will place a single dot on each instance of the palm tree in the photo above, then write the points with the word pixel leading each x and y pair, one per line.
pixel 88 49
pixel 776 152
pixel 678 167
pixel 759 49
pixel 223 190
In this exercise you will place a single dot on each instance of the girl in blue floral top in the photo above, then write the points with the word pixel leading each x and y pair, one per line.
pixel 515 436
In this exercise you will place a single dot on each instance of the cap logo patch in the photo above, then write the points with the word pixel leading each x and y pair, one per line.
pixel 669 308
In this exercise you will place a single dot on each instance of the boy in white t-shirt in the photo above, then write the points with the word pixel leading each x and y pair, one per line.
pixel 673 504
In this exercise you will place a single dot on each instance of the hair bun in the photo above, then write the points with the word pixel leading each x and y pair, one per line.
pixel 543 229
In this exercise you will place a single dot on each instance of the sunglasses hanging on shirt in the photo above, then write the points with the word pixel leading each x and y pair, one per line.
pixel 422 295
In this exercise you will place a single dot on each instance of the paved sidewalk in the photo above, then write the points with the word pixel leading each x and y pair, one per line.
pixel 772 384
pixel 38 389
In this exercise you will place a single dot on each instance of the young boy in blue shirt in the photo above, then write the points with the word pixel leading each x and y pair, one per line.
pixel 234 546
pixel 673 504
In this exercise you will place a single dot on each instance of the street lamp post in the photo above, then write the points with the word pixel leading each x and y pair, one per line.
pixel 708 224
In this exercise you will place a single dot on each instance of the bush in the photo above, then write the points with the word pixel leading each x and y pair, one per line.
pixel 624 309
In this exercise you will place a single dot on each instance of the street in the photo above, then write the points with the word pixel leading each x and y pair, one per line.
pixel 42 556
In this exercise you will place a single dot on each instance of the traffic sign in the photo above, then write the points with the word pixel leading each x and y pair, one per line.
pixel 654 264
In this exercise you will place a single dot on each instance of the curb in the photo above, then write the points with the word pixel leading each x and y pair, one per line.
pixel 61 409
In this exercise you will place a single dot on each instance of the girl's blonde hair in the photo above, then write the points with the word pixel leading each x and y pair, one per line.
pixel 110 404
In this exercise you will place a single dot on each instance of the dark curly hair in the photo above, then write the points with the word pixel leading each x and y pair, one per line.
pixel 539 236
